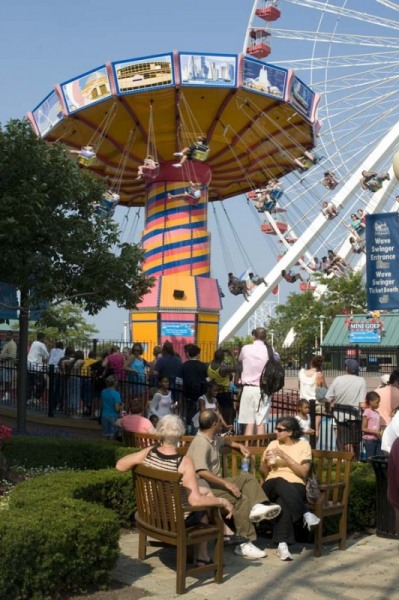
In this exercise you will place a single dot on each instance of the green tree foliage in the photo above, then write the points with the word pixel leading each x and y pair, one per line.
pixel 302 311
pixel 65 322
pixel 54 247
pixel 53 244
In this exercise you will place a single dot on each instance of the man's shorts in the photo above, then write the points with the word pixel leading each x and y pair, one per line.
pixel 252 408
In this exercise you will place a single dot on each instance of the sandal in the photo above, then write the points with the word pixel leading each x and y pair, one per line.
pixel 202 562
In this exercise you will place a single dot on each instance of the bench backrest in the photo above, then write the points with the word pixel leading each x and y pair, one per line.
pixel 332 471
pixel 159 501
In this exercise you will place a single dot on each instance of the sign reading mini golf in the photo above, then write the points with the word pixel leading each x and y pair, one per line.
pixel 382 251
pixel 365 332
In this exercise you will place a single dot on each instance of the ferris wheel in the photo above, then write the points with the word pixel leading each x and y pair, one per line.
pixel 346 50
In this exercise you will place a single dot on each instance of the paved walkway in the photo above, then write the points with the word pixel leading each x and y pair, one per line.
pixel 368 569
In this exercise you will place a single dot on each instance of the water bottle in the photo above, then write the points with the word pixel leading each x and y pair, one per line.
pixel 245 464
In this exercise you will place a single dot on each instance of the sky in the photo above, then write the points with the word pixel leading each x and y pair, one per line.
pixel 45 42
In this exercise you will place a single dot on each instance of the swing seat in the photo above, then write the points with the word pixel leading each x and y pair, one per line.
pixel 252 196
pixel 85 161
pixel 102 212
pixel 270 206
pixel 194 193
pixel 276 194
pixel 109 205
pixel 374 186
pixel 111 197
pixel 200 153
pixel 151 172
pixel 270 13
pixel 331 185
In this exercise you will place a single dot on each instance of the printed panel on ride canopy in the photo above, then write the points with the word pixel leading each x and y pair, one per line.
pixel 147 72
pixel 216 70
pixel 302 97
pixel 47 114
pixel 86 89
pixel 264 78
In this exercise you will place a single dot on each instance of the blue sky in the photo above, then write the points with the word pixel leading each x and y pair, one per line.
pixel 45 42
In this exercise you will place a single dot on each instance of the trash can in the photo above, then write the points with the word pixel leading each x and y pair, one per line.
pixel 385 514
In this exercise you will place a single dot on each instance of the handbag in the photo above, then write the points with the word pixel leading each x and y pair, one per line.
pixel 312 489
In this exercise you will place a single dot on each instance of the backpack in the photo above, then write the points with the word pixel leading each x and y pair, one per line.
pixel 272 378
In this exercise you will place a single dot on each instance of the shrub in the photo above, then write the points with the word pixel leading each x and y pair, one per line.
pixel 362 495
pixel 57 538
pixel 62 529
pixel 31 451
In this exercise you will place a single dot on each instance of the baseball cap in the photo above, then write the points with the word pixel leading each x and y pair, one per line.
pixel 385 379
pixel 352 366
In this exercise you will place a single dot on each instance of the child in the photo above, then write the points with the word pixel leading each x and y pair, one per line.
pixel 110 407
pixel 208 401
pixel 303 419
pixel 371 425
pixel 161 403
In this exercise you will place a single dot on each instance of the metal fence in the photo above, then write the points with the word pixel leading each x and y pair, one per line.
pixel 52 393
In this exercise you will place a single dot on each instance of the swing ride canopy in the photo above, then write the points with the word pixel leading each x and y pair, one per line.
pixel 257 119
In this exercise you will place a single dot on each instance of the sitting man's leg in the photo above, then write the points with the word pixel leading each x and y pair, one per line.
pixel 249 507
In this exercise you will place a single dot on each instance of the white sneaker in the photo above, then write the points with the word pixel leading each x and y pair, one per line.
pixel 249 550
pixel 6 397
pixel 310 520
pixel 177 166
pixel 259 512
pixel 282 551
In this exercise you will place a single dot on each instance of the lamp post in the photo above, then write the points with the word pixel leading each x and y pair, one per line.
pixel 125 324
pixel 272 336
pixel 321 319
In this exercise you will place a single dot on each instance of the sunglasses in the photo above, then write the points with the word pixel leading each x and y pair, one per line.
pixel 280 429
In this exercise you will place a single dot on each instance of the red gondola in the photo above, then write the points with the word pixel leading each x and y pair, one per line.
pixel 267 228
pixel 259 48
pixel 268 13
pixel 307 286
pixel 290 240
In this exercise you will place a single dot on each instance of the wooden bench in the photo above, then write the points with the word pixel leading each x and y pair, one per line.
pixel 332 471
pixel 231 458
pixel 144 440
pixel 333 475
pixel 160 515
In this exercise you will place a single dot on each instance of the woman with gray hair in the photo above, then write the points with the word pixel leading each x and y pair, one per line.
pixel 164 456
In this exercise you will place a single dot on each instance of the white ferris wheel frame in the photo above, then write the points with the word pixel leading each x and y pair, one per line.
pixel 377 201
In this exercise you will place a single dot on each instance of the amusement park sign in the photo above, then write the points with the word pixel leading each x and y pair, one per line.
pixel 382 251
pixel 365 332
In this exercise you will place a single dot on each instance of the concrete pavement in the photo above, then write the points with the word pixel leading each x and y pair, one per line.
pixel 368 568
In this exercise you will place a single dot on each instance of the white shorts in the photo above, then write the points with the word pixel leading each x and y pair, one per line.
pixel 252 409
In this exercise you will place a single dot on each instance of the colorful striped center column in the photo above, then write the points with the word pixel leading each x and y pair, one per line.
pixel 175 238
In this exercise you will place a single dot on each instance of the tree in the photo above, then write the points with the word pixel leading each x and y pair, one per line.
pixel 65 322
pixel 345 294
pixel 54 247
pixel 302 311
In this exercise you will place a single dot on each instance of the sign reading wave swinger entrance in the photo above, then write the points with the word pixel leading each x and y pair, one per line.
pixel 382 250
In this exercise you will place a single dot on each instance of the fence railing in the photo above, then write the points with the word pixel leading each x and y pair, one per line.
pixel 52 393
